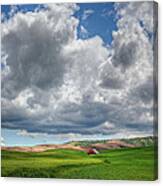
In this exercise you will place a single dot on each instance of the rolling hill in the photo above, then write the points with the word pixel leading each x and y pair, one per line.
pixel 86 145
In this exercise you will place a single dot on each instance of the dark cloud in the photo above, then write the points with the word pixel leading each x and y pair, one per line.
pixel 144 91
pixel 111 77
pixel 125 56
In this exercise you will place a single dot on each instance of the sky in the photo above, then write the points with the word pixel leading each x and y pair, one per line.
pixel 76 72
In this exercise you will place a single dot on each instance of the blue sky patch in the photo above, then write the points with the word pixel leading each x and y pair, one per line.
pixel 100 22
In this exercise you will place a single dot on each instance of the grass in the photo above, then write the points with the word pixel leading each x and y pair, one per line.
pixel 120 164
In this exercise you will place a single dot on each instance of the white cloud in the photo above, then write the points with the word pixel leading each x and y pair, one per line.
pixel 56 84
pixel 132 49
pixel 83 32
pixel 25 133
pixel 2 141
pixel 33 43
pixel 13 10
pixel 87 13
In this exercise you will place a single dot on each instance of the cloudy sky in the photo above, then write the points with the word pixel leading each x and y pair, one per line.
pixel 76 71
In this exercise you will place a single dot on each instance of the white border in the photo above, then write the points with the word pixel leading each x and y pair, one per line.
pixel 63 182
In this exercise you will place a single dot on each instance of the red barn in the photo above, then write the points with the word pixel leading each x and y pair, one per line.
pixel 92 151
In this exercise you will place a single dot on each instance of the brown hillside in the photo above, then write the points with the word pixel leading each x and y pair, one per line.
pixel 110 144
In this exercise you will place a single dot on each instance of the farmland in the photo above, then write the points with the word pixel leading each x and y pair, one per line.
pixel 113 164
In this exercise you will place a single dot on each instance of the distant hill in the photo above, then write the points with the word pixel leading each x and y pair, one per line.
pixel 88 144
pixel 139 141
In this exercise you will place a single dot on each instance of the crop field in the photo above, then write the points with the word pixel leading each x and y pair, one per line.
pixel 118 164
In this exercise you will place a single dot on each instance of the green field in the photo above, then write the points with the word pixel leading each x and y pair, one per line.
pixel 120 164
